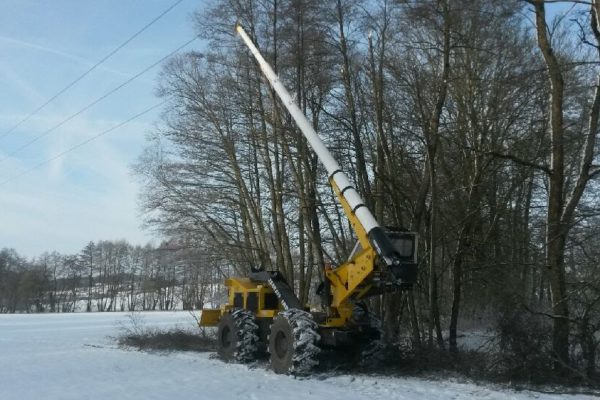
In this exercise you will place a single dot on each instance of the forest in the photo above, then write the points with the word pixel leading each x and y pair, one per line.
pixel 472 122
pixel 108 276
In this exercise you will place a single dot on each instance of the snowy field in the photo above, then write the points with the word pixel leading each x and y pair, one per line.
pixel 72 356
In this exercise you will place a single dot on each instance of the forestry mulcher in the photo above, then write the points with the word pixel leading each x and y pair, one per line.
pixel 264 314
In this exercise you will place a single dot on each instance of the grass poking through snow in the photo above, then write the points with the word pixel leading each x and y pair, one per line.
pixel 135 334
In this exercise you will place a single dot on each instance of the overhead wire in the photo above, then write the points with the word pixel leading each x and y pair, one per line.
pixel 87 107
pixel 93 67
pixel 75 147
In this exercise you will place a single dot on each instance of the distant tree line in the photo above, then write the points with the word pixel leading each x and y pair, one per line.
pixel 472 122
pixel 107 276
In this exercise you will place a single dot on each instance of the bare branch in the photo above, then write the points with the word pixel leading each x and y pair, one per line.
pixel 520 161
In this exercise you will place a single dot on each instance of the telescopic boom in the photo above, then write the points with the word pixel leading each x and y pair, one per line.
pixel 377 237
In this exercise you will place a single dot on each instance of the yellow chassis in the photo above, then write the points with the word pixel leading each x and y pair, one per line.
pixel 245 288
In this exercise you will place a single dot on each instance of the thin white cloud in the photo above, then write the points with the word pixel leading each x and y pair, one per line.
pixel 13 78
pixel 87 195
pixel 46 49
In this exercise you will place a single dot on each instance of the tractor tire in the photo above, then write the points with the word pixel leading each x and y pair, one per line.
pixel 293 343
pixel 370 349
pixel 237 336
pixel 372 355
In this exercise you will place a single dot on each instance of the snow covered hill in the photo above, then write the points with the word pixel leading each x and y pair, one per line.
pixel 72 356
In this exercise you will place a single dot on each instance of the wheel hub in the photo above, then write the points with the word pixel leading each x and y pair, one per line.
pixel 281 344
pixel 226 337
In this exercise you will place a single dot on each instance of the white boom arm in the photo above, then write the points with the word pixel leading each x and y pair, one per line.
pixel 377 236
pixel 363 214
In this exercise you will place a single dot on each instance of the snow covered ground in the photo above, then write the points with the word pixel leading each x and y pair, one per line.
pixel 71 356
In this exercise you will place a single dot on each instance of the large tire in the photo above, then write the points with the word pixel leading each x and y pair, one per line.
pixel 237 336
pixel 293 343
pixel 372 354
pixel 370 349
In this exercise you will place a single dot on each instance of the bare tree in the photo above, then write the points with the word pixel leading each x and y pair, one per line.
pixel 562 199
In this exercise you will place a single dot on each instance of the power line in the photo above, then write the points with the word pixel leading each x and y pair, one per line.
pixel 80 77
pixel 26 172
pixel 90 105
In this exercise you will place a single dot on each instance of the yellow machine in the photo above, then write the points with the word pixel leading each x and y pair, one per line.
pixel 263 313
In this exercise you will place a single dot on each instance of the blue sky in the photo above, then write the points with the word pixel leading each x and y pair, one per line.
pixel 90 194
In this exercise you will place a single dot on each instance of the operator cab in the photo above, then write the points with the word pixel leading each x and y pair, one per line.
pixel 404 243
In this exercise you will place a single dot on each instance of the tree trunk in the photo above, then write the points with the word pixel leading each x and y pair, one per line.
pixel 555 236
pixel 364 186
pixel 432 141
